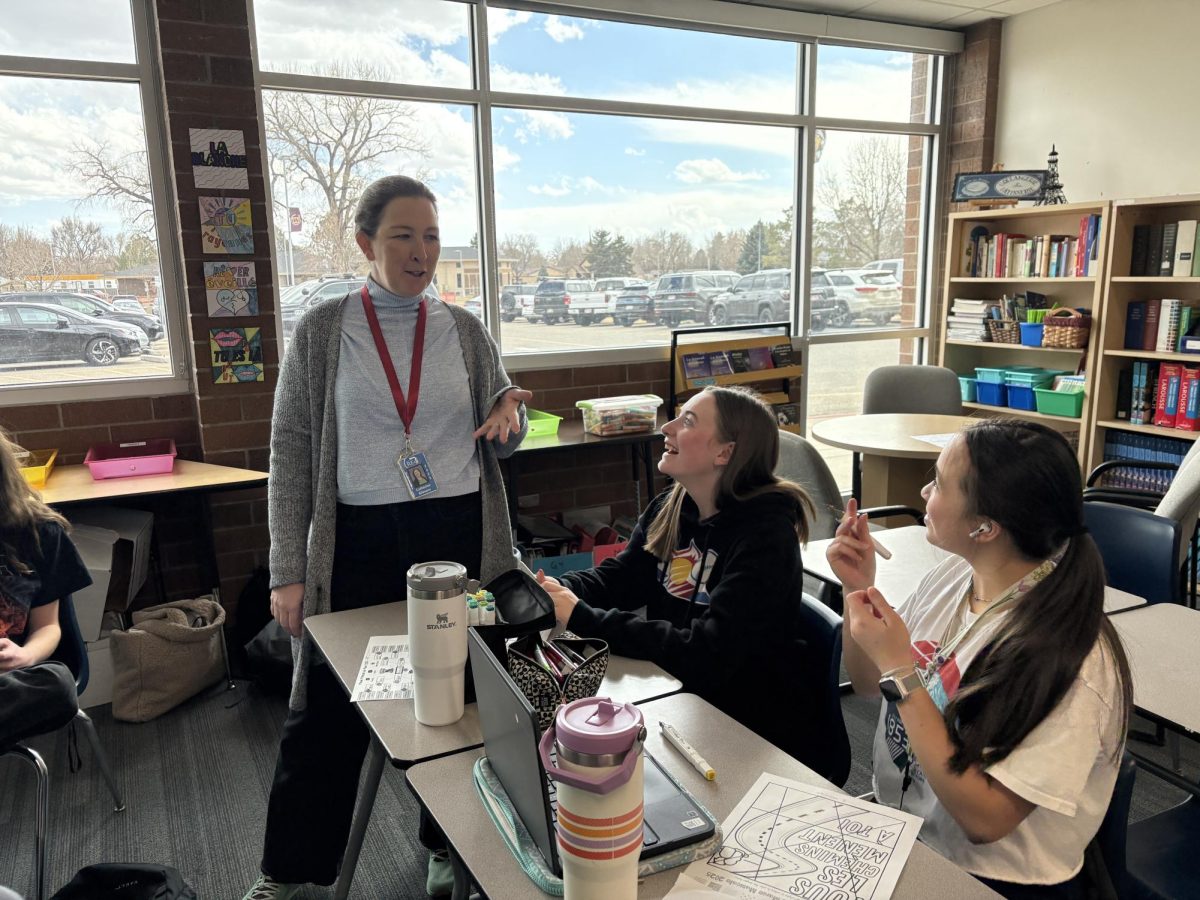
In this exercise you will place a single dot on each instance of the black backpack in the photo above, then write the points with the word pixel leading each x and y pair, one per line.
pixel 126 881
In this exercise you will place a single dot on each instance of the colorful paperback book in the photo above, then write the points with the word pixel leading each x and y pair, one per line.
pixel 787 414
pixel 760 359
pixel 739 359
pixel 718 363
pixel 695 365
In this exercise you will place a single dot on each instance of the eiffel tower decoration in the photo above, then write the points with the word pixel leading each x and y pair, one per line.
pixel 1052 193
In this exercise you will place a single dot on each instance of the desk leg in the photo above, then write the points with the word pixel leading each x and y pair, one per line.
pixel 512 479
pixel 462 881
pixel 362 815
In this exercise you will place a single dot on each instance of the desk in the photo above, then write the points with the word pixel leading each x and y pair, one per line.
pixel 446 789
pixel 72 485
pixel 895 465
pixel 341 638
pixel 1161 641
pixel 571 436
pixel 912 557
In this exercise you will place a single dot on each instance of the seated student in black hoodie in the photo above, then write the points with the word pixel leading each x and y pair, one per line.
pixel 715 560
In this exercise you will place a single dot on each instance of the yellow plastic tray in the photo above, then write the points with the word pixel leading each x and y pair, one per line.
pixel 41 463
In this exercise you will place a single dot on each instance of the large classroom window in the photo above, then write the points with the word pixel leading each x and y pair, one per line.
pixel 84 311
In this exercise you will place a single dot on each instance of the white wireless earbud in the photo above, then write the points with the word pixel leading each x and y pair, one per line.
pixel 983 528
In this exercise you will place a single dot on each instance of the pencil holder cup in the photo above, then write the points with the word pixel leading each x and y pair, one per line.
pixel 546 693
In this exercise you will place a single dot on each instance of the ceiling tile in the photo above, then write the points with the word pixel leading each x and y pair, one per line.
pixel 971 18
pixel 912 12
pixel 1016 7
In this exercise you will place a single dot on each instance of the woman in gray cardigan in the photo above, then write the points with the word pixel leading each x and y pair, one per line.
pixel 384 453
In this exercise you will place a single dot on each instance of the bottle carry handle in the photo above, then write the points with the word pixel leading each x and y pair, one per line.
pixel 602 785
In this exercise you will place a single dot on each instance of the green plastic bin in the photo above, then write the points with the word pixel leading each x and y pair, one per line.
pixel 542 424
pixel 1059 403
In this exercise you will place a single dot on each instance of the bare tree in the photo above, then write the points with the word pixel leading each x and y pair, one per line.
pixel 662 252
pixel 133 251
pixel 568 256
pixel 25 258
pixel 80 246
pixel 862 215
pixel 523 253
pixel 336 143
pixel 332 245
pixel 724 249
pixel 118 178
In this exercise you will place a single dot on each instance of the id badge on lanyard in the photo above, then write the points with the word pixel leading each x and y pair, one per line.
pixel 414 466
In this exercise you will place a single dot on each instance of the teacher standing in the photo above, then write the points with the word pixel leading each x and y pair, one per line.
pixel 391 414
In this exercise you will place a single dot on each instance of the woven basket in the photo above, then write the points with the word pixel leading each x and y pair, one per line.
pixel 1066 328
pixel 1004 331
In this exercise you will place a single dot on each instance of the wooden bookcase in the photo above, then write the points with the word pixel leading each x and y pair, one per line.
pixel 726 338
pixel 1121 288
pixel 1085 292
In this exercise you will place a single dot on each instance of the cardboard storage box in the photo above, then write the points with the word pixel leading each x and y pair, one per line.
pixel 95 547
pixel 131 553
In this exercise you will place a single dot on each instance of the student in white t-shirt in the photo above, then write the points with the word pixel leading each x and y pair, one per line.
pixel 1006 690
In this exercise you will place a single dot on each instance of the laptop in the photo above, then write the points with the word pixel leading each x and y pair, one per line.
pixel 671 819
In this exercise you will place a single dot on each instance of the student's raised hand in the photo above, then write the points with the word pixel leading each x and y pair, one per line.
pixel 505 418
pixel 851 554
pixel 877 629
pixel 564 600
pixel 12 656
pixel 287 606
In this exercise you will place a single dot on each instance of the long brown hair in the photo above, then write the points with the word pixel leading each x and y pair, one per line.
pixel 1025 477
pixel 21 509
pixel 746 420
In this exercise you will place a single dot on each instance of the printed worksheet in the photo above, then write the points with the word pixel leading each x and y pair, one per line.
pixel 794 840
pixel 938 440
pixel 385 673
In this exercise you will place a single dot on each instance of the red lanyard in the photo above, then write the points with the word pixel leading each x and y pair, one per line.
pixel 407 410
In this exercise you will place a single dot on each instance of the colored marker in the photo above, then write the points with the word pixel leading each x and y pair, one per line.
pixel 675 739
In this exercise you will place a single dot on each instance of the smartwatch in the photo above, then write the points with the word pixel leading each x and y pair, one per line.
pixel 896 686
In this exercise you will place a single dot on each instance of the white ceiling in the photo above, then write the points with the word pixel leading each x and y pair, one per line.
pixel 930 13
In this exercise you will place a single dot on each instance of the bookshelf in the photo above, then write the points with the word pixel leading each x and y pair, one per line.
pixel 1122 287
pixel 1074 291
pixel 727 338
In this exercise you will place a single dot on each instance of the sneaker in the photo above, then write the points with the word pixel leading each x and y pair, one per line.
pixel 439 881
pixel 267 888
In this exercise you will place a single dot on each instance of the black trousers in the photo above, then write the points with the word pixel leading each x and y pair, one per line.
pixel 35 700
pixel 323 746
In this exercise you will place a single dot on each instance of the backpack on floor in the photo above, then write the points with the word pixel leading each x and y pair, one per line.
pixel 126 881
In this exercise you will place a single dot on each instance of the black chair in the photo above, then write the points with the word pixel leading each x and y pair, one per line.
pixel 1140 550
pixel 1113 834
pixel 72 653
pixel 822 629
pixel 1161 858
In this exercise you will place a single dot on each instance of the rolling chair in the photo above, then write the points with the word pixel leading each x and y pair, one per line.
pixel 72 653
pixel 1112 838
pixel 823 632
pixel 907 389
pixel 1140 549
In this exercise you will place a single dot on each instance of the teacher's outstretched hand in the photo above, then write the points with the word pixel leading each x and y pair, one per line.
pixel 505 417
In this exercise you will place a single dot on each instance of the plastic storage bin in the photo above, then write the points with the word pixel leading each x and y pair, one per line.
pixel 1059 403
pixel 631 414
pixel 37 465
pixel 992 394
pixel 1031 333
pixel 967 385
pixel 542 424
pixel 152 457
pixel 988 375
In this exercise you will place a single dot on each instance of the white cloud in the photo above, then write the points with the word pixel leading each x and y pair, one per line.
pixel 501 20
pixel 551 190
pixel 633 151
pixel 698 171
pixel 567 185
pixel 505 79
pixel 538 124
pixel 561 31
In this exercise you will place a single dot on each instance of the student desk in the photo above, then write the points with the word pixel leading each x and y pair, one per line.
pixel 445 788
pixel 895 465
pixel 912 557
pixel 341 638
pixel 571 436
pixel 72 485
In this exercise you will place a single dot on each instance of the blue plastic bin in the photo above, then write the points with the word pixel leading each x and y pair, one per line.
pixel 967 385
pixel 992 394
pixel 1031 333
pixel 1021 397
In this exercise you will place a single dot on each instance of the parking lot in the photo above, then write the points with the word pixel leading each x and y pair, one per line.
pixel 156 362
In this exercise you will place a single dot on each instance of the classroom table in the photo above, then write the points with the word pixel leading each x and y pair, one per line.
pixel 571 436
pixel 445 789
pixel 912 557
pixel 895 465
pixel 396 735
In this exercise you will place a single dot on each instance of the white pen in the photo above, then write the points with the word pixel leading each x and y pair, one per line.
pixel 675 739
pixel 879 548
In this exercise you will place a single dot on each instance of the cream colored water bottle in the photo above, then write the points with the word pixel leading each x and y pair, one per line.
pixel 437 640
pixel 599 775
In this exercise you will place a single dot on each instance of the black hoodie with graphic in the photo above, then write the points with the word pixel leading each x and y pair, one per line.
pixel 722 616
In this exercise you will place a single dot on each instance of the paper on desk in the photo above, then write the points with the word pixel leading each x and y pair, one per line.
pixel 385 673
pixel 938 440
pixel 789 839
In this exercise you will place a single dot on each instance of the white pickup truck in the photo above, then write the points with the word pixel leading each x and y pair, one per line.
pixel 599 303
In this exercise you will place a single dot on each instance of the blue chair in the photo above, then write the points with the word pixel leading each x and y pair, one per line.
pixel 1140 549
pixel 72 653
pixel 1161 854
pixel 822 629
pixel 1112 837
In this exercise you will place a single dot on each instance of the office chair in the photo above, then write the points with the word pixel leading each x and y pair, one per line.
pixel 1140 549
pixel 1161 858
pixel 822 629
pixel 72 653
pixel 907 389
pixel 1114 828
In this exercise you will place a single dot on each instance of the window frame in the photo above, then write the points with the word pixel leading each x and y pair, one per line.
pixel 146 73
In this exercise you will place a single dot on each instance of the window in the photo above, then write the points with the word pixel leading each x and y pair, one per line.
pixel 78 223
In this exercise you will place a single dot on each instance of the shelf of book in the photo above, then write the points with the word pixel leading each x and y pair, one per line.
pixel 1144 315
pixel 693 384
pixel 992 345
pixel 1084 279
pixel 1067 422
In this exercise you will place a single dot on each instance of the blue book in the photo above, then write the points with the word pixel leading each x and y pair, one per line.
pixel 1135 324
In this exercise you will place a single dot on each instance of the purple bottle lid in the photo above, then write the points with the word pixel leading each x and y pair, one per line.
pixel 598 726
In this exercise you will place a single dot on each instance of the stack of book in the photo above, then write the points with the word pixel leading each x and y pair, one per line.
pixel 1142 447
pixel 1170 249
pixel 1164 326
pixel 968 320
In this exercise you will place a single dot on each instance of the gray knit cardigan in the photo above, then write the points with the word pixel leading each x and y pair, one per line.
pixel 302 488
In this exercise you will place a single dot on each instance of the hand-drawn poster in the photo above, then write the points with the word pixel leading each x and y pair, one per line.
pixel 794 840
pixel 218 158
pixel 225 225
pixel 231 288
pixel 385 673
pixel 236 355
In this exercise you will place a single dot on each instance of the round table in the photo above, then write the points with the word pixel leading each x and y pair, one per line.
pixel 895 465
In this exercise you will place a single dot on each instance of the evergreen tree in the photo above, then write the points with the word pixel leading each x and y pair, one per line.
pixel 608 256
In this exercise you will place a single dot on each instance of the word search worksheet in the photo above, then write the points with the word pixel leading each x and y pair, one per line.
pixel 794 840
pixel 385 673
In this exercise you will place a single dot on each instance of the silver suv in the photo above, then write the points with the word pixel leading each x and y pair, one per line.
pixel 866 294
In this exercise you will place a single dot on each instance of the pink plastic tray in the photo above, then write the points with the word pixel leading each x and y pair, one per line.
pixel 152 457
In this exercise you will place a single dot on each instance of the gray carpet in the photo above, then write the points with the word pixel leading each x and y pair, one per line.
pixel 196 783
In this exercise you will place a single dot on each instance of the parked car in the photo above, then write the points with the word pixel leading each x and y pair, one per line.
pixel 634 303
pixel 553 297
pixel 516 300
pixel 895 266
pixel 688 295
pixel 474 306
pixel 766 296
pixel 866 293
pixel 127 303
pixel 295 306
pixel 41 332
pixel 89 306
